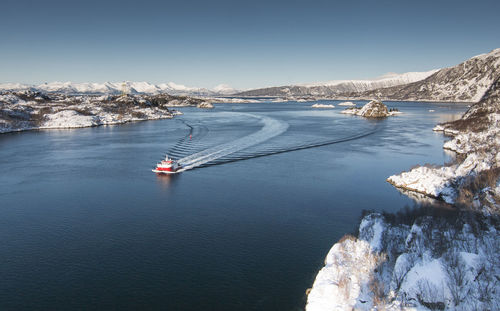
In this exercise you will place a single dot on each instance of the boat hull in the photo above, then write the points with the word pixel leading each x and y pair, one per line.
pixel 164 172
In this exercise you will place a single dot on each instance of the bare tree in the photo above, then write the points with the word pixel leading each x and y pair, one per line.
pixel 455 268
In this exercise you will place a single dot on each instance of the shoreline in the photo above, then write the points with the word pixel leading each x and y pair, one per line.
pixel 428 259
pixel 84 126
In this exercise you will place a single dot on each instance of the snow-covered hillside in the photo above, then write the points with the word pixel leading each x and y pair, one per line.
pixel 389 79
pixel 465 82
pixel 115 88
pixel 421 259
pixel 338 87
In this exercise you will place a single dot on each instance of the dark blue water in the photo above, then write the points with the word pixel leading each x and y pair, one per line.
pixel 85 224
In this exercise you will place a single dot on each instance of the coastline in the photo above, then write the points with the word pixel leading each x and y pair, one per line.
pixel 429 258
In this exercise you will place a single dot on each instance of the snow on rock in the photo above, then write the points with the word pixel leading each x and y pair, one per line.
pixel 347 279
pixel 439 263
pixel 427 180
pixel 339 284
pixel 441 182
pixel 322 106
pixel 373 109
pixel 206 105
pixel 69 119
pixel 476 136
pixel 371 230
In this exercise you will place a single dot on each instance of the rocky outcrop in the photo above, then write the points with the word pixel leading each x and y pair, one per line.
pixel 205 105
pixel 374 109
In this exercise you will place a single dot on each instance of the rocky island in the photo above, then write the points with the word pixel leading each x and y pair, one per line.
pixel 326 106
pixel 374 109
pixel 28 110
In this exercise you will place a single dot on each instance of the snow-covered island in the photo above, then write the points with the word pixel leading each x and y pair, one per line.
pixel 322 106
pixel 429 258
pixel 347 104
pixel 28 110
pixel 373 109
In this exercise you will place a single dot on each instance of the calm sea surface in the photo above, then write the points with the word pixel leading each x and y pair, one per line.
pixel 85 224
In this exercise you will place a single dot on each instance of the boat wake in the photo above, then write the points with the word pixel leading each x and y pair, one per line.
pixel 271 128
pixel 247 147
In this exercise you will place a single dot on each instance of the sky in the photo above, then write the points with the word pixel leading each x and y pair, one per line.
pixel 245 44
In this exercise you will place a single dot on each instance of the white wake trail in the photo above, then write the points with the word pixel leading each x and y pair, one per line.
pixel 271 128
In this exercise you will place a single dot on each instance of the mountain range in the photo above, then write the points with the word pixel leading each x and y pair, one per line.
pixel 465 82
pixel 113 88
pixel 338 87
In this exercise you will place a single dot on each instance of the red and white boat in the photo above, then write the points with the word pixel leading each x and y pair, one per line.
pixel 167 166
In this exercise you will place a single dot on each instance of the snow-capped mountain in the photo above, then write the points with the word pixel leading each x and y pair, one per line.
pixel 465 82
pixel 338 87
pixel 111 88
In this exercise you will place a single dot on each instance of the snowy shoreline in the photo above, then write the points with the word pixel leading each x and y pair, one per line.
pixel 428 258
pixel 475 137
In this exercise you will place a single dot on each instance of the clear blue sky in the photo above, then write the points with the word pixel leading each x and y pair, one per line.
pixel 245 44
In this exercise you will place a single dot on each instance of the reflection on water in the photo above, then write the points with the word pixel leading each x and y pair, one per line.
pixel 423 199
pixel 166 181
